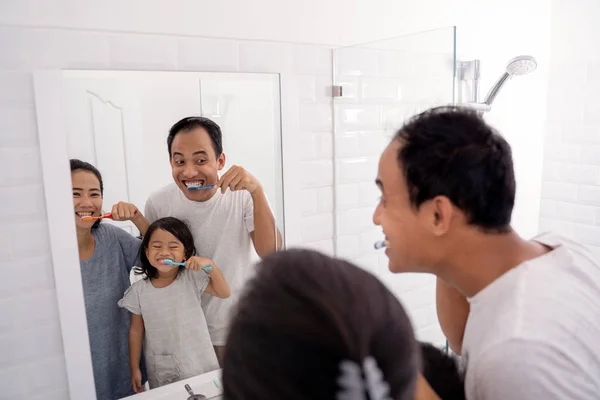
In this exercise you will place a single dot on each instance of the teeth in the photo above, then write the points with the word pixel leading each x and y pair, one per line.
pixel 193 183
pixel 84 214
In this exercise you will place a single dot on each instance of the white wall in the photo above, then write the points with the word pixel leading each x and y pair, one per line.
pixel 149 35
pixel 571 188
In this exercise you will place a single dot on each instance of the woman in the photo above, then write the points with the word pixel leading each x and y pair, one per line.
pixel 107 255
pixel 312 327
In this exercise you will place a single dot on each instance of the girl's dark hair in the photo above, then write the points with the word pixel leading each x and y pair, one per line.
pixel 178 229
pixel 304 313
pixel 442 372
pixel 77 165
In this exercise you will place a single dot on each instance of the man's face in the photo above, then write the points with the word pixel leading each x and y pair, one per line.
pixel 194 163
pixel 404 226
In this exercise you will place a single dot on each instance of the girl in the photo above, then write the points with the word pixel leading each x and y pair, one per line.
pixel 106 256
pixel 313 327
pixel 165 306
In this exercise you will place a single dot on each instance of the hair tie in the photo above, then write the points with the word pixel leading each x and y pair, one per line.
pixel 356 381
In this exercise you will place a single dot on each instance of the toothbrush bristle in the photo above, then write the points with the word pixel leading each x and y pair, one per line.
pixel 381 244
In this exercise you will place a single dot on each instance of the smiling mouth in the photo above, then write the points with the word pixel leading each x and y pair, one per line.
pixel 198 183
pixel 82 214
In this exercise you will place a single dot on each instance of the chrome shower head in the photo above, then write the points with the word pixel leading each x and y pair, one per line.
pixel 520 65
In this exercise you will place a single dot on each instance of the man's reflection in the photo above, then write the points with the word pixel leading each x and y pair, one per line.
pixel 224 223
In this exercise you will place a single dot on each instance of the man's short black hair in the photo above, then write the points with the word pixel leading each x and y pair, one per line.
pixel 451 151
pixel 188 123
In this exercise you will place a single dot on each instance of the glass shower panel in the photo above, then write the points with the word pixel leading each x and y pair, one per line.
pixel 379 85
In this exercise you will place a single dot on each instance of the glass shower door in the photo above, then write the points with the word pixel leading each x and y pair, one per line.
pixel 376 87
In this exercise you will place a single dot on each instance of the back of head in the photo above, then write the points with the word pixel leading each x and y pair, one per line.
pixel 452 152
pixel 301 317
pixel 442 373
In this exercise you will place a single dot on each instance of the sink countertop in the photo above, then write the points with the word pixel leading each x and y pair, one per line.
pixel 208 384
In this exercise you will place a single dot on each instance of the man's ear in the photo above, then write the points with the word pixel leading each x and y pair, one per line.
pixel 437 214
pixel 221 161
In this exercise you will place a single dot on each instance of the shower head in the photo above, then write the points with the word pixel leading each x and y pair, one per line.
pixel 520 65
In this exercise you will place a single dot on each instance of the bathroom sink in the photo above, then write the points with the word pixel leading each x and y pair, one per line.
pixel 208 385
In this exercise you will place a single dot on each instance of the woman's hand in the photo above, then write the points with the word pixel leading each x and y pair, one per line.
pixel 136 380
pixel 123 211
pixel 196 263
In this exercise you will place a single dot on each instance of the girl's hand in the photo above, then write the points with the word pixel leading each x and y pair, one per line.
pixel 123 211
pixel 196 263
pixel 136 381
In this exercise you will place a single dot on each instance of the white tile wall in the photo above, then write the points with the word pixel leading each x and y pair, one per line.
pixel 380 90
pixel 202 54
pixel 570 202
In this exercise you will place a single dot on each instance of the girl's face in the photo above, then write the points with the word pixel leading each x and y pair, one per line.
pixel 164 245
pixel 87 198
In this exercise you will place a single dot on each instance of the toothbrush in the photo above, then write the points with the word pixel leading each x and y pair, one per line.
pixel 381 244
pixel 182 264
pixel 90 218
pixel 193 187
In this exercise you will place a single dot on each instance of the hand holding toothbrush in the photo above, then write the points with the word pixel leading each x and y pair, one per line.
pixel 237 178
pixel 123 211
pixel 200 263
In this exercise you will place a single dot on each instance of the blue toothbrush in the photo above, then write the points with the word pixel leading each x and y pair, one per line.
pixel 380 244
pixel 193 187
pixel 182 264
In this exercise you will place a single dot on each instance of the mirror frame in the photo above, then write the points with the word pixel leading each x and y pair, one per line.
pixel 49 104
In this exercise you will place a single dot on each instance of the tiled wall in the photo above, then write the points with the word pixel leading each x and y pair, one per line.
pixel 570 202
pixel 381 88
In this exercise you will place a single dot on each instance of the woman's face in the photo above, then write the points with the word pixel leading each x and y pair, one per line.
pixel 164 245
pixel 87 199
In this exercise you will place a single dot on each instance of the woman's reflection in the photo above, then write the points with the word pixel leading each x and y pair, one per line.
pixel 107 255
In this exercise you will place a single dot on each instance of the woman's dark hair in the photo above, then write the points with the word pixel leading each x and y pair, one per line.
pixel 303 314
pixel 452 152
pixel 442 372
pixel 77 165
pixel 178 229
pixel 188 123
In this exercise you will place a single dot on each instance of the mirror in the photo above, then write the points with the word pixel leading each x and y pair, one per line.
pixel 174 318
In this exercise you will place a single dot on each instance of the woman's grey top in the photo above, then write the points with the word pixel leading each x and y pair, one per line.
pixel 105 277
pixel 177 344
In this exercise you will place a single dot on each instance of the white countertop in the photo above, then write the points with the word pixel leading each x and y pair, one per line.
pixel 208 384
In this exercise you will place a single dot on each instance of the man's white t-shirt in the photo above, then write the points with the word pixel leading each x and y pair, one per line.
pixel 534 333
pixel 221 228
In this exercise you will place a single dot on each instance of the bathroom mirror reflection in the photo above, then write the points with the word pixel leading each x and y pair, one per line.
pixel 176 185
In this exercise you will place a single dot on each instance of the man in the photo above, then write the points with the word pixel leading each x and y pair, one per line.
pixel 224 222
pixel 533 307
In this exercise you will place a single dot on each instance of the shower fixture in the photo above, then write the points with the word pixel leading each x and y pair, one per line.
pixel 468 72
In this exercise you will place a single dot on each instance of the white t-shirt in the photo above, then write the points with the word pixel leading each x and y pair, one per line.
pixel 221 228
pixel 534 333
